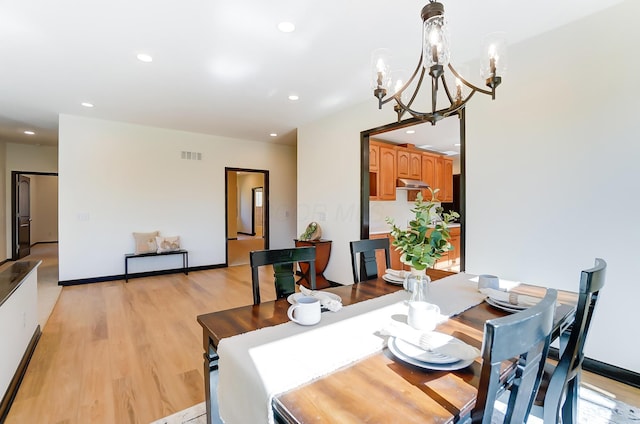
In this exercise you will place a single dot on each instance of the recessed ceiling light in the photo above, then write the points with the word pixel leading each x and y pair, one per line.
pixel 411 131
pixel 144 57
pixel 29 132
pixel 273 135
pixel 286 27
pixel 457 144
pixel 293 97
pixel 87 104
pixel 425 146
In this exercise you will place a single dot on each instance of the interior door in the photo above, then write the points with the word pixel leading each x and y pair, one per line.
pixel 257 211
pixel 23 216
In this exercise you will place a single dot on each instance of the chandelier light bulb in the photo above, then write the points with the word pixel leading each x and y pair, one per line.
pixel 381 73
pixel 435 36
pixel 434 63
pixel 494 57
pixel 399 78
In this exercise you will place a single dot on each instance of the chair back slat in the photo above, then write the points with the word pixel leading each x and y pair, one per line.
pixel 523 337
pixel 367 267
pixel 283 261
pixel 561 393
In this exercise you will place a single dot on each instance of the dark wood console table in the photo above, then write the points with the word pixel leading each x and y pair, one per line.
pixel 323 251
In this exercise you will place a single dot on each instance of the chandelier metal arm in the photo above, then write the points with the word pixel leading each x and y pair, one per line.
pixel 447 92
pixel 407 84
pixel 468 84
pixel 434 116
pixel 419 84
pixel 436 49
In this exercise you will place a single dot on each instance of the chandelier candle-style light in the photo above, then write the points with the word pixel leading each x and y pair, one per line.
pixel 392 85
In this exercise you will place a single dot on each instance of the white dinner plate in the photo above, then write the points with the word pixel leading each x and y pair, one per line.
pixel 293 298
pixel 393 279
pixel 422 355
pixel 507 307
pixel 409 353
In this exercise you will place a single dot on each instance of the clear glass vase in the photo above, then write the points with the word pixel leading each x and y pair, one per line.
pixel 417 283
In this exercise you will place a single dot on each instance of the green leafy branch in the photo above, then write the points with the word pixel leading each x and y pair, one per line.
pixel 422 244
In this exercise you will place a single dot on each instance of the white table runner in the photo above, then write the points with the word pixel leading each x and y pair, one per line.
pixel 255 366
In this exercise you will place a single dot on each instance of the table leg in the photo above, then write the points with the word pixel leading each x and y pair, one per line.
pixel 126 270
pixel 211 386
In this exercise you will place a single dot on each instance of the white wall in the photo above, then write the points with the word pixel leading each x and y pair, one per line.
pixel 329 180
pixel 3 205
pixel 27 158
pixel 552 172
pixel 44 208
pixel 118 178
pixel 400 211
pixel 564 189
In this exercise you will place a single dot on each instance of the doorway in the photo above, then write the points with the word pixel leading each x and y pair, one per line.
pixel 257 223
pixel 247 213
pixel 365 176
pixel 34 211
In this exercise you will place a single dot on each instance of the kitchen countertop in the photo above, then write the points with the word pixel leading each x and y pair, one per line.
pixel 13 276
pixel 454 225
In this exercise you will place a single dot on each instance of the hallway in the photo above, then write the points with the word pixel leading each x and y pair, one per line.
pixel 238 250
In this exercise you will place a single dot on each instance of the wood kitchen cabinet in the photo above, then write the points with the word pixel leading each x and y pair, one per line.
pixel 428 172
pixel 444 179
pixel 374 170
pixel 374 156
pixel 387 173
pixel 451 260
pixel 437 171
pixel 382 171
pixel 387 162
pixel 394 255
pixel 454 255
pixel 409 164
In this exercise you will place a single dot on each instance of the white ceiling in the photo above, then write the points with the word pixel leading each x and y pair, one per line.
pixel 222 67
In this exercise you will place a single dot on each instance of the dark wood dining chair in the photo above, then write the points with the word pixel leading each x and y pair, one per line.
pixel 283 261
pixel 525 337
pixel 558 394
pixel 366 250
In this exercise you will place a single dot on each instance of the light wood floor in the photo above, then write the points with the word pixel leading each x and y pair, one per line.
pixel 126 353
pixel 238 250
pixel 132 353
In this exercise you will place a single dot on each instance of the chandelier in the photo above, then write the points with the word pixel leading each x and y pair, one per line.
pixel 390 85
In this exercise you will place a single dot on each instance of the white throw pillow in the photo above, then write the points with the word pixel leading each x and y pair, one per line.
pixel 146 242
pixel 168 244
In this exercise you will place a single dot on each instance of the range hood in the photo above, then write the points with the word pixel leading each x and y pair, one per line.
pixel 408 184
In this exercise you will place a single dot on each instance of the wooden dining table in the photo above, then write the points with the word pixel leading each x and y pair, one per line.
pixel 379 387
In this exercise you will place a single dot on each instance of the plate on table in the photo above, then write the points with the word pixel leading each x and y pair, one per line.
pixel 414 355
pixel 293 298
pixel 392 279
pixel 507 307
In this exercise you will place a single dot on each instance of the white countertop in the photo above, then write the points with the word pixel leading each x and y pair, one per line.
pixel 454 225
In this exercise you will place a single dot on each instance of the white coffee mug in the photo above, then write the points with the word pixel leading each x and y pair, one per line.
pixel 488 281
pixel 306 311
pixel 423 315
